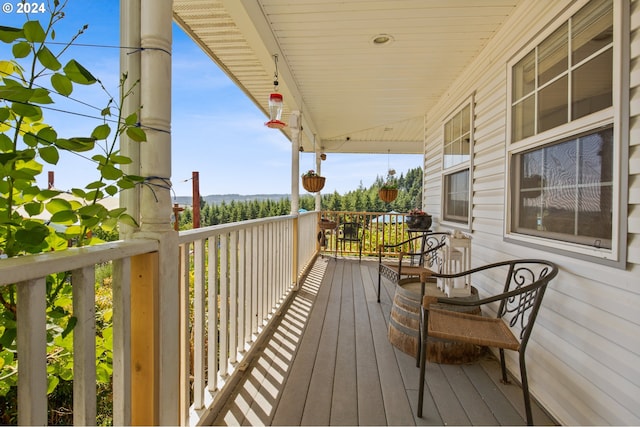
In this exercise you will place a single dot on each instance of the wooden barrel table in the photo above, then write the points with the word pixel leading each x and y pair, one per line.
pixel 404 325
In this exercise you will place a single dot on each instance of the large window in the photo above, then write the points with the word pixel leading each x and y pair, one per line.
pixel 565 190
pixel 456 165
pixel 563 145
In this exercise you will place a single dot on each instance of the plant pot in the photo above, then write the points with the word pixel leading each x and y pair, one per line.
pixel 388 194
pixel 313 184
pixel 419 222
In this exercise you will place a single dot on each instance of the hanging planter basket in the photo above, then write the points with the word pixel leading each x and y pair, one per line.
pixel 313 184
pixel 388 195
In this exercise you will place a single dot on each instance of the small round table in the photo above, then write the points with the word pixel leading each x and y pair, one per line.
pixel 404 325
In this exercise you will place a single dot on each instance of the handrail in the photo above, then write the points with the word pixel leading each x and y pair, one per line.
pixel 30 267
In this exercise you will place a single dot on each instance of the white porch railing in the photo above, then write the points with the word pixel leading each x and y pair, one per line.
pixel 234 278
pixel 242 273
pixel 29 273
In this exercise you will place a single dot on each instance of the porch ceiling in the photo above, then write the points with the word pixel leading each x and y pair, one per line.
pixel 355 97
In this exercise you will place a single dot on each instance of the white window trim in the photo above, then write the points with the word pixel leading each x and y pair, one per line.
pixel 470 101
pixel 618 115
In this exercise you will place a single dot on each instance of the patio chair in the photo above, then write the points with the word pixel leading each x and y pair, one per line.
pixel 525 282
pixel 406 266
pixel 351 232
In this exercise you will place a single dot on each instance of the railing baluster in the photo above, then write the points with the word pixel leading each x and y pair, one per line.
pixel 212 298
pixel 224 305
pixel 32 347
pixel 185 351
pixel 233 298
pixel 199 324
pixel 121 291
pixel 242 268
pixel 84 346
pixel 255 278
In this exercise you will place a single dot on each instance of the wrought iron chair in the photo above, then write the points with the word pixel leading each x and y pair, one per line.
pixel 519 302
pixel 351 232
pixel 406 266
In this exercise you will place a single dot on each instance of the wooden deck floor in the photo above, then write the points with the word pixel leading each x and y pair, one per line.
pixel 329 362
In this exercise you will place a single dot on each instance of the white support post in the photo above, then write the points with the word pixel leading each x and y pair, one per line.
pixel 155 196
pixel 294 124
pixel 318 197
pixel 130 66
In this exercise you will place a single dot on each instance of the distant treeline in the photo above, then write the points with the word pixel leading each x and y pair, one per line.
pixel 362 200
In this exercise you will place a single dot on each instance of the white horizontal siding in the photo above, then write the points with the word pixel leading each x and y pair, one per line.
pixel 584 355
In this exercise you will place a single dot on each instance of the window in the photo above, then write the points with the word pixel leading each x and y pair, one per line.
pixel 565 190
pixel 456 165
pixel 563 132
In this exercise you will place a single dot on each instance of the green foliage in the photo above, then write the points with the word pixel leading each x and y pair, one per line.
pixel 30 80
pixel 359 200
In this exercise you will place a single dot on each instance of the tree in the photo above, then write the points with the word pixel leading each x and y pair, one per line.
pixel 32 79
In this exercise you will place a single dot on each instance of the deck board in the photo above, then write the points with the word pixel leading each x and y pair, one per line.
pixel 329 362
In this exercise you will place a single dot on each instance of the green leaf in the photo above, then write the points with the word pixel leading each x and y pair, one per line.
pixel 74 230
pixel 125 183
pixel 70 325
pixel 57 205
pixel 76 144
pixel 34 32
pixel 101 132
pixel 32 237
pixel 47 194
pixel 49 154
pixel 136 134
pixel 111 190
pixel 115 213
pixel 52 383
pixel 94 185
pixel 15 93
pixel 8 337
pixel 10 34
pixel 41 96
pixel 48 59
pixel 5 143
pixel 64 217
pixel 105 112
pixel 127 220
pixel 21 49
pixel 27 110
pixel 92 210
pixel 78 192
pixel 62 84
pixel 121 160
pixel 78 74
pixel 30 139
pixel 110 172
pixel 131 119
pixel 34 208
pixel 47 135
pixel 90 222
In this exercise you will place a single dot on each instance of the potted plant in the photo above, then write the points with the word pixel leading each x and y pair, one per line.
pixel 389 190
pixel 312 182
pixel 418 219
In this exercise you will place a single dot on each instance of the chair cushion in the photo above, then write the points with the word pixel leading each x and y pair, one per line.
pixel 471 328
pixel 407 270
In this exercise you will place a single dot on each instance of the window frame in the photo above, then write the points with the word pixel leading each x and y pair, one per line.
pixel 459 167
pixel 617 116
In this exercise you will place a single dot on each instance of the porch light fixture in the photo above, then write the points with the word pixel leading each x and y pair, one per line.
pixel 275 102
pixel 382 39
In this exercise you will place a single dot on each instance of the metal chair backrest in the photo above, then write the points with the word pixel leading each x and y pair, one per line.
pixel 525 284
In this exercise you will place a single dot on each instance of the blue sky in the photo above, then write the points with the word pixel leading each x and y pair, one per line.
pixel 216 129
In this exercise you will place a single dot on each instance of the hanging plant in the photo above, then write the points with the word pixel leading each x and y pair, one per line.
pixel 312 182
pixel 389 190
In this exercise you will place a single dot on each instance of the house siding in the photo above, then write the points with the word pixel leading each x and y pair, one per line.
pixel 584 355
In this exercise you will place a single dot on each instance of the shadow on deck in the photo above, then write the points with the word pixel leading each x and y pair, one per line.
pixel 329 362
